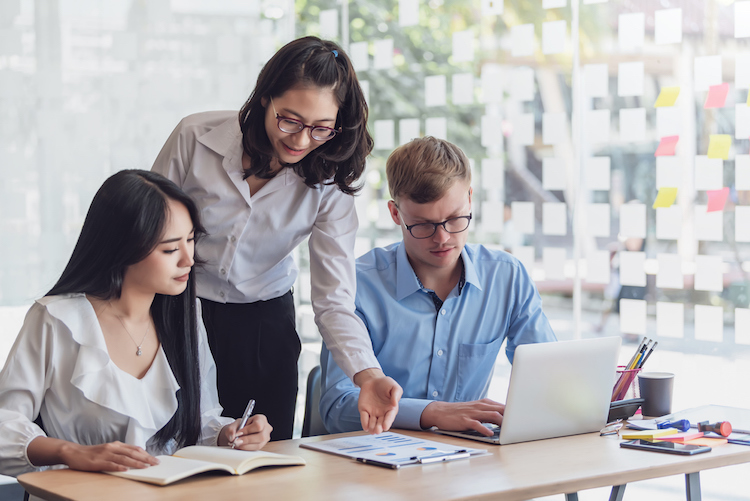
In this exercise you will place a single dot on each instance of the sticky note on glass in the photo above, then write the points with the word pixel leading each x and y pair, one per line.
pixel 667 97
pixel 665 197
pixel 667 146
pixel 718 146
pixel 717 96
pixel 717 199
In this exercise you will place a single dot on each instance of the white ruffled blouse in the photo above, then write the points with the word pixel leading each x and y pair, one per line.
pixel 59 368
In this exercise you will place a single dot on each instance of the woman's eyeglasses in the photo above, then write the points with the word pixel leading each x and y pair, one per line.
pixel 612 428
pixel 292 126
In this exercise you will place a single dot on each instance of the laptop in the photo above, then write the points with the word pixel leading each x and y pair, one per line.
pixel 556 389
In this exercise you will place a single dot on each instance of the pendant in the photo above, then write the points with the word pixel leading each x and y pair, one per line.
pixel 139 352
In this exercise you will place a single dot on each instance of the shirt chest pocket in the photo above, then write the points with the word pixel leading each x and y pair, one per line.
pixel 475 366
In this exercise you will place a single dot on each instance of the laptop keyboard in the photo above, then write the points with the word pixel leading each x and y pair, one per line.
pixel 492 427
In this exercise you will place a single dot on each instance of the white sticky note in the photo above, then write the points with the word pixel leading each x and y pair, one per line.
pixel 633 316
pixel 492 131
pixel 492 7
pixel 522 84
pixel 553 37
pixel 670 319
pixel 741 19
pixel 553 174
pixel 525 254
pixel 408 129
pixel 630 79
pixel 709 173
pixel 742 71
pixel 490 222
pixel 633 124
pixel 668 121
pixel 554 128
pixel 384 221
pixel 125 45
pixel 597 126
pixel 408 12
pixel 668 26
pixel 522 40
pixel 554 218
pixel 709 226
pixel 329 24
pixel 598 220
pixel 365 86
pixel 742 223
pixel 437 127
pixel 597 267
pixel 668 172
pixel 434 90
pixel 383 54
pixel 630 31
pixel 742 172
pixel 669 223
pixel 597 171
pixel 707 72
pixel 523 129
pixel 492 83
pixel 493 176
pixel 596 80
pixel 553 260
pixel 632 268
pixel 463 88
pixel 463 46
pixel 742 121
pixel 742 325
pixel 554 4
pixel 359 55
pixel 384 134
pixel 709 323
pixel 669 275
pixel 523 217
pixel 633 220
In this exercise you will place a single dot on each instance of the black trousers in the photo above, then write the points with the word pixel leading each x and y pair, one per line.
pixel 256 348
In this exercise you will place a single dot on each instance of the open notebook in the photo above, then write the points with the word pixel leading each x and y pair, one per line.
pixel 198 459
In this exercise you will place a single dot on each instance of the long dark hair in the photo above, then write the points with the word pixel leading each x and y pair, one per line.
pixel 124 224
pixel 312 62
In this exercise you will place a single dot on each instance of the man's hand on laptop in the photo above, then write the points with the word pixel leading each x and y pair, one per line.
pixel 378 400
pixel 460 416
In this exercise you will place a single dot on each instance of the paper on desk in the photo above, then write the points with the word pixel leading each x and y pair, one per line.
pixel 667 97
pixel 711 442
pixel 682 436
pixel 647 434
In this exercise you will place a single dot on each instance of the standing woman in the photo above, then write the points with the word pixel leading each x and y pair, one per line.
pixel 114 359
pixel 282 170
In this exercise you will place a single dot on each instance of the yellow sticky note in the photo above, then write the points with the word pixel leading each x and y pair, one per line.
pixel 665 197
pixel 667 97
pixel 718 146
pixel 647 434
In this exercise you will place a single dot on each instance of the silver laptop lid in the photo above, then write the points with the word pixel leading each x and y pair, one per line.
pixel 559 389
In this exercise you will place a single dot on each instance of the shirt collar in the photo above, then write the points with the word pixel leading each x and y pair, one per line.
pixel 407 282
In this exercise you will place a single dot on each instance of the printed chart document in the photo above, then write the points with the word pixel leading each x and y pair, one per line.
pixel 198 459
pixel 392 450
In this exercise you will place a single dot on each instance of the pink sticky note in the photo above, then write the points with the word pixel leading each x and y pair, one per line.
pixel 717 199
pixel 717 96
pixel 667 146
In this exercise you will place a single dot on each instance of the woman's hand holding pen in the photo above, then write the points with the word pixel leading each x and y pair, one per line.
pixel 252 437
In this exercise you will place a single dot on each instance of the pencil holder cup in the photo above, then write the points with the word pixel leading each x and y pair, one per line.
pixel 624 387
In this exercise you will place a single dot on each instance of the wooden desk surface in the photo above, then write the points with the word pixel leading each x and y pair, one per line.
pixel 515 472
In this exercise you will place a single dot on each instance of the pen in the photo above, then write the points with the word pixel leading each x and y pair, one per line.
pixel 378 463
pixel 648 354
pixel 460 454
pixel 245 417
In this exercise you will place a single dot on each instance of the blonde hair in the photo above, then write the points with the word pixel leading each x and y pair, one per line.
pixel 424 169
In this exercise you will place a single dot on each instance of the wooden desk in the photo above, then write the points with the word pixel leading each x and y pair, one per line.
pixel 510 472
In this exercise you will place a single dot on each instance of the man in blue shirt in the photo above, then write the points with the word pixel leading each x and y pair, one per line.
pixel 437 309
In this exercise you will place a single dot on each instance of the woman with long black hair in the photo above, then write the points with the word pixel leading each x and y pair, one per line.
pixel 114 359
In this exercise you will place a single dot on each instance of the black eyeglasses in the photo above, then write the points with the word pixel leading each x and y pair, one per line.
pixel 426 230
pixel 292 126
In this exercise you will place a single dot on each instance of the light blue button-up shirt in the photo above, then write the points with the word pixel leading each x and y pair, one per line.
pixel 445 355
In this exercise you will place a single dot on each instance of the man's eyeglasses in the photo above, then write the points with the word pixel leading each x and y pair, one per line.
pixel 612 428
pixel 426 230
pixel 292 126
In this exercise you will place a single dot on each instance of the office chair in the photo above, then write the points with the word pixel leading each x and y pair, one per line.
pixel 312 424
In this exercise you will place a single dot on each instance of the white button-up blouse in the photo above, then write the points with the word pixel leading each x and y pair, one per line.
pixel 248 249
pixel 59 368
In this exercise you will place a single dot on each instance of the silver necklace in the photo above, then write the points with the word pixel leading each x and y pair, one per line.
pixel 138 352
